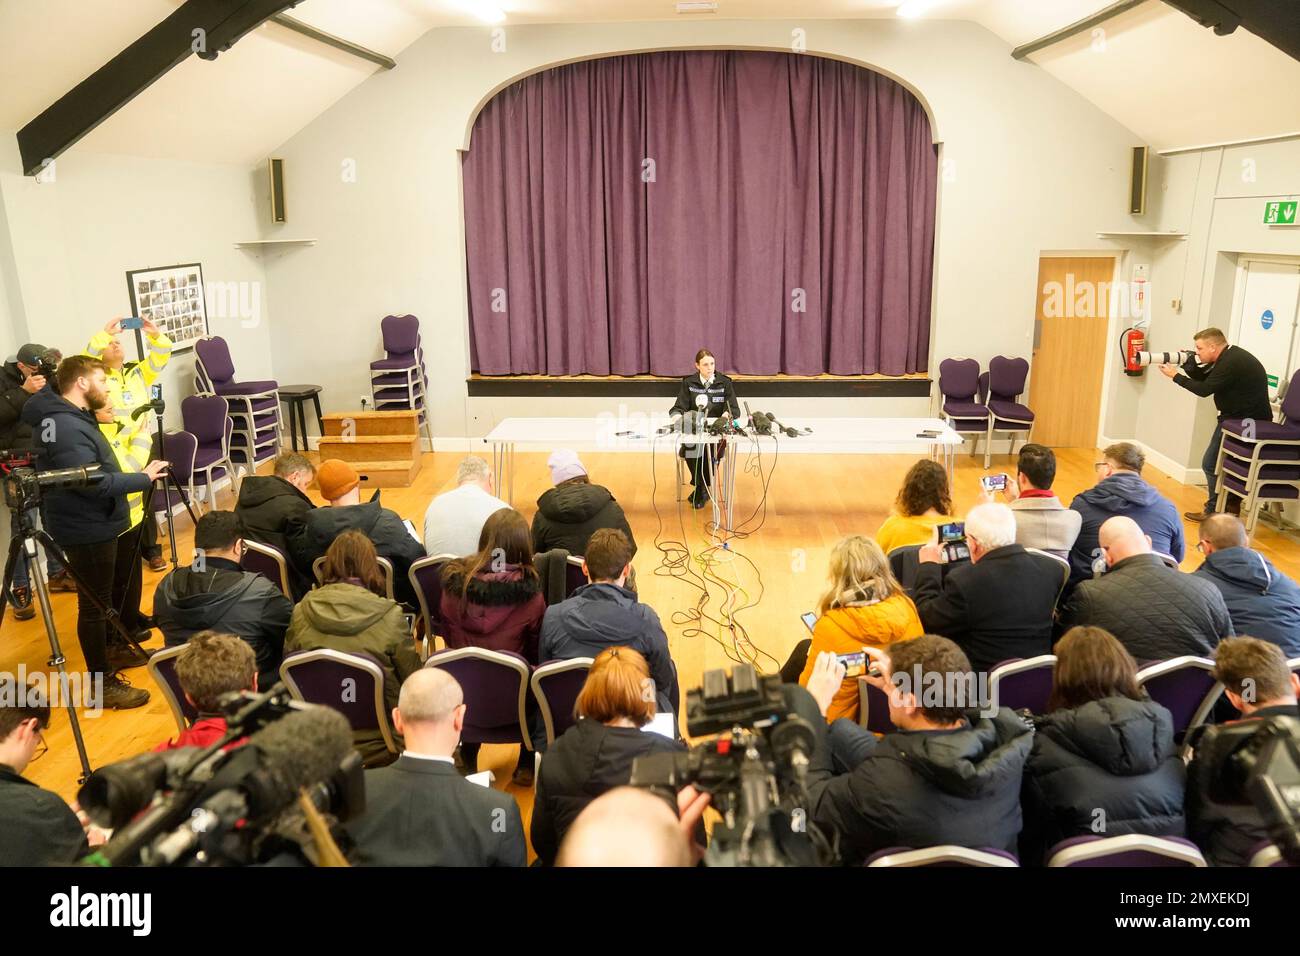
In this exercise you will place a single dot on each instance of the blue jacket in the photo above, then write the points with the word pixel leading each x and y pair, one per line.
pixel 1125 494
pixel 599 616
pixel 1262 601
pixel 97 512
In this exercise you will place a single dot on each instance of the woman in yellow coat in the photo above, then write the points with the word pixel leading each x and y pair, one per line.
pixel 924 502
pixel 864 607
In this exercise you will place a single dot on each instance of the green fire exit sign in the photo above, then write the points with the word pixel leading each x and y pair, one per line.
pixel 1279 213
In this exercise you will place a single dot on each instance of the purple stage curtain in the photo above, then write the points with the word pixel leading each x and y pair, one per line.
pixel 777 209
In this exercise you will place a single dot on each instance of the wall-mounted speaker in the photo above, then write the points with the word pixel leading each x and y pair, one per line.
pixel 1137 190
pixel 275 173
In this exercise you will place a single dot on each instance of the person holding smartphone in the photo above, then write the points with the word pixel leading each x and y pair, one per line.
pixel 129 389
pixel 1042 522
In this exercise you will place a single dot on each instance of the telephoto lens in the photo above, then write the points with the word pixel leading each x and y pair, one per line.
pixel 115 794
pixel 1165 358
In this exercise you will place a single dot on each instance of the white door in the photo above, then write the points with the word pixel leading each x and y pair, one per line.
pixel 1267 318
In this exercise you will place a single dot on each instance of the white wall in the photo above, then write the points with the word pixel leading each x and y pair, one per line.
pixel 1217 196
pixel 1028 165
pixel 74 239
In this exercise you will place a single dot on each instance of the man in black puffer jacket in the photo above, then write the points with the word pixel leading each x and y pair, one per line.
pixel 267 503
pixel 1104 761
pixel 1262 601
pixel 949 775
pixel 1156 611
pixel 215 593
pixel 568 513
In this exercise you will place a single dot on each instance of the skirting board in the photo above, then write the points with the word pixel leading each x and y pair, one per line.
pixel 1188 476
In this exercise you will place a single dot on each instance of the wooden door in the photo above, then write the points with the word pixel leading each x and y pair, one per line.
pixel 1070 349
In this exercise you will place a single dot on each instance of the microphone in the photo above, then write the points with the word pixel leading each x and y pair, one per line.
pixel 784 429
pixel 761 424
pixel 298 750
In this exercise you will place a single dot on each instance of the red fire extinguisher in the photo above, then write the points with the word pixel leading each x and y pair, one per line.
pixel 1131 342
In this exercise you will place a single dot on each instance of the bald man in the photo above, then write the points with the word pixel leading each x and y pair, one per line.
pixel 419 810
pixel 1262 601
pixel 1156 611
pixel 627 826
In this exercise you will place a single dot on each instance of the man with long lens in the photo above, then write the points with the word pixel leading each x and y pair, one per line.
pixel 129 392
pixel 89 522
pixel 1239 385
pixel 20 379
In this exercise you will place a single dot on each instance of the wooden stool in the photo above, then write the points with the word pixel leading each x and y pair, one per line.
pixel 295 396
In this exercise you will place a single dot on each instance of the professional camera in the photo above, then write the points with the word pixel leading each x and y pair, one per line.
pixel 754 769
pixel 47 364
pixel 24 484
pixel 1258 761
pixel 1165 358
pixel 215 807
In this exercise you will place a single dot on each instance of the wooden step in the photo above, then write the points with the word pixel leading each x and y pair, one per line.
pixel 385 474
pixel 371 448
pixel 338 424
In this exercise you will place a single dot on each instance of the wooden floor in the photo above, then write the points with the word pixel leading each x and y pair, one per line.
pixel 748 607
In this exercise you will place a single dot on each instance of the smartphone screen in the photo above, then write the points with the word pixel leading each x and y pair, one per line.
pixel 155 392
pixel 809 620
pixel 953 531
pixel 994 482
pixel 855 665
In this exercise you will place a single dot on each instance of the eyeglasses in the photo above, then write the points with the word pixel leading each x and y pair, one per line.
pixel 1099 465
pixel 1200 546
pixel 42 750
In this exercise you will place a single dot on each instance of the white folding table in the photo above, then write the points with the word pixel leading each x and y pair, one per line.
pixel 638 434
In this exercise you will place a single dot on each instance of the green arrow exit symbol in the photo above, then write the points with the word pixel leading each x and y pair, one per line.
pixel 1280 213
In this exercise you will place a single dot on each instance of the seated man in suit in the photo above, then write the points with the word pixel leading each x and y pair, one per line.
pixel 311 534
pixel 949 774
pixel 1156 611
pixel 605 614
pixel 419 810
pixel 1258 683
pixel 1121 490
pixel 1262 601
pixel 998 606
pixel 268 502
pixel 213 593
pixel 1042 522
pixel 36 827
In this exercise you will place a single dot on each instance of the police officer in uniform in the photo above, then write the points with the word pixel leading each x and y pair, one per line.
pixel 719 396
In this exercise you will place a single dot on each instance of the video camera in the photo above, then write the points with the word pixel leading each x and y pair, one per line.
pixel 212 806
pixel 24 485
pixel 754 769
pixel 1258 761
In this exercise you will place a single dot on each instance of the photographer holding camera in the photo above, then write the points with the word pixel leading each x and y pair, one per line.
pixel 89 522
pixel 128 393
pixel 1239 385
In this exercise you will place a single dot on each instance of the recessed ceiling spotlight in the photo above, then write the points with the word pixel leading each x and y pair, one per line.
pixel 697 6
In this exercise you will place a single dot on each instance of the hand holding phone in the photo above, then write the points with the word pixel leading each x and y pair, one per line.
pixel 993 482
pixel 132 322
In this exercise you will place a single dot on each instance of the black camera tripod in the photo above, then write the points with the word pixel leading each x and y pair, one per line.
pixel 25 538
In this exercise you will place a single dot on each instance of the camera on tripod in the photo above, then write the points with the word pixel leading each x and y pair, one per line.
pixel 754 769
pixel 24 485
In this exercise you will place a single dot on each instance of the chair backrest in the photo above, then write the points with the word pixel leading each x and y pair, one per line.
pixel 1291 400
pixel 873 708
pixel 425 576
pixel 556 686
pixel 1169 560
pixel 905 562
pixel 942 856
pixel 1007 376
pixel 1024 684
pixel 162 668
pixel 495 685
pixel 1294 664
pixel 266 560
pixel 1266 854
pixel 574 576
pixel 206 418
pixel 1184 685
pixel 1061 564
pixel 401 334
pixel 352 684
pixel 385 567
pixel 179 449
pixel 1132 849
pixel 959 378
pixel 212 360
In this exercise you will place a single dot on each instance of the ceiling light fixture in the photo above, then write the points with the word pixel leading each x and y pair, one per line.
pixel 485 10
pixel 697 6
pixel 911 9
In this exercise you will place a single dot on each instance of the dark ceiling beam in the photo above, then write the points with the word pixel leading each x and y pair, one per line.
pixel 337 42
pixel 121 79
pixel 1275 21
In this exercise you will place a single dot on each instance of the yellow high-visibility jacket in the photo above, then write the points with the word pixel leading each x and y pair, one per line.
pixel 132 449
pixel 131 390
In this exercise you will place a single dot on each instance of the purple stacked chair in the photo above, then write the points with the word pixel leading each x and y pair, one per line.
pixel 574 576
pixel 254 406
pixel 206 418
pixel 1130 850
pixel 269 562
pixel 426 581
pixel 316 676
pixel 556 686
pixel 873 708
pixel 399 380
pixel 1259 462
pixel 495 684
pixel 958 383
pixel 1023 684
pixel 1001 385
pixel 178 450
pixel 1185 686
pixel 162 668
